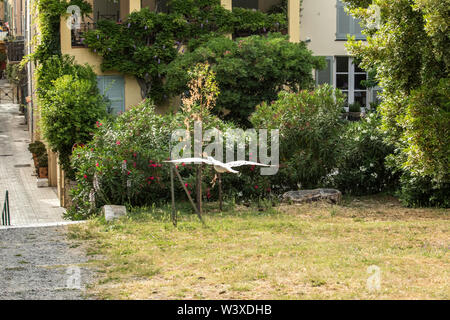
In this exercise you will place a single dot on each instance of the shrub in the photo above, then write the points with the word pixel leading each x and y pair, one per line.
pixel 69 111
pixel 37 148
pixel 362 167
pixel 419 191
pixel 123 164
pixel 248 71
pixel 310 124
pixel 14 73
pixel 415 82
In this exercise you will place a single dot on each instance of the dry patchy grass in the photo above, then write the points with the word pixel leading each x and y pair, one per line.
pixel 312 251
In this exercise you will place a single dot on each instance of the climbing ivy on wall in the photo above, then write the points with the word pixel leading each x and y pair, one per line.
pixel 146 42
pixel 49 16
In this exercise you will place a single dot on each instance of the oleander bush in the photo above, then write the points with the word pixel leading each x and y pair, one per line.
pixel 310 124
pixel 362 168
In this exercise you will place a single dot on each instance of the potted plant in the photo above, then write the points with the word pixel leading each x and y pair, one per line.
pixel 354 111
pixel 37 149
pixel 43 165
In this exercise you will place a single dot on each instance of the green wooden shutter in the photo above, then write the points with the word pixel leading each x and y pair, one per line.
pixel 325 75
pixel 113 88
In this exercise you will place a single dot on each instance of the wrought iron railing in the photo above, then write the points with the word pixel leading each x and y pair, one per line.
pixel 15 50
pixel 77 33
pixel 6 219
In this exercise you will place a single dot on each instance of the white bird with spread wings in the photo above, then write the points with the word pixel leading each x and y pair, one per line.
pixel 219 166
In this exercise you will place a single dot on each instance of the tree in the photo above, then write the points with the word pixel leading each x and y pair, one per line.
pixel 147 41
pixel 410 49
pixel 248 71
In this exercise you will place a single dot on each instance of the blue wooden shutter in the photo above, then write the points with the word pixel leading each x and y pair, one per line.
pixel 113 88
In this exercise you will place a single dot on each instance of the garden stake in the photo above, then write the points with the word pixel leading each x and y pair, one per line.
pixel 188 195
pixel 172 191
pixel 219 177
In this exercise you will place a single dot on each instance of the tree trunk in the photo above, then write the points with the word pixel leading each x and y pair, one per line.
pixel 145 87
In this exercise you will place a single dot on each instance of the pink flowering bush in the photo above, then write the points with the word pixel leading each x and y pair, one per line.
pixel 123 164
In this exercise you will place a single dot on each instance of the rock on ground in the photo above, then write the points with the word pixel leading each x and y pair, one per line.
pixel 300 196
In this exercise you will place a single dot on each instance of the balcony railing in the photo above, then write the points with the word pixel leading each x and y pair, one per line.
pixel 15 50
pixel 77 33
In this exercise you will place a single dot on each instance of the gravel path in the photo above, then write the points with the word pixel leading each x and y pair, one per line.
pixel 39 263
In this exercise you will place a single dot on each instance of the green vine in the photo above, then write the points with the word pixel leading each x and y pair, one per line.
pixel 49 18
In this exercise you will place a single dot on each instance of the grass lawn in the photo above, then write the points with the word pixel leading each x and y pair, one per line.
pixel 312 251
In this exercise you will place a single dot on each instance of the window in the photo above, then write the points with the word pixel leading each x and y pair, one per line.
pixel 349 79
pixel 113 88
pixel 247 4
pixel 162 6
pixel 325 75
pixel 346 24
pixel 156 5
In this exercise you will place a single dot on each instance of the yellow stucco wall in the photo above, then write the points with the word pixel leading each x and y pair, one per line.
pixel 84 55
pixel 318 23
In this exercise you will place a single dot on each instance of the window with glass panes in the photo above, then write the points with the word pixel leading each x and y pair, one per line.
pixel 247 4
pixel 348 78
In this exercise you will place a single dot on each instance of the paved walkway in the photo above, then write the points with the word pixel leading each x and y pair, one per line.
pixel 29 205
pixel 40 263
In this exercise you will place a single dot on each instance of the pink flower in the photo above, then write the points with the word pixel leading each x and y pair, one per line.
pixel 256 187
pixel 128 173
pixel 118 142
pixel 97 164
pixel 186 185
pixel 85 176
pixel 124 161
pixel 152 178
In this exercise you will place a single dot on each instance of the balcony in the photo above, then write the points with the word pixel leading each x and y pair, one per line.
pixel 77 34
pixel 15 50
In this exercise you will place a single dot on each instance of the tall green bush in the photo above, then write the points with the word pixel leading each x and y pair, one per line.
pixel 68 113
pixel 362 168
pixel 409 49
pixel 249 71
pixel 310 125
pixel 124 162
